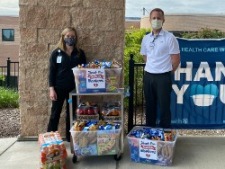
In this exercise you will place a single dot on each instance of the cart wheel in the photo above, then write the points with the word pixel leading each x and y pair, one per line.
pixel 117 157
pixel 74 159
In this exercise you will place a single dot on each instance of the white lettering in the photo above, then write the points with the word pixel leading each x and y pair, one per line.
pixel 221 49
pixel 222 93
pixel 180 93
pixel 219 70
pixel 210 49
pixel 203 72
pixel 206 50
pixel 187 71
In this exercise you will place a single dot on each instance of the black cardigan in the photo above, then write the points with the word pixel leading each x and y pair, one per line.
pixel 60 68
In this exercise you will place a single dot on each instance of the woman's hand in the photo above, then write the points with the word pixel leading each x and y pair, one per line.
pixel 52 94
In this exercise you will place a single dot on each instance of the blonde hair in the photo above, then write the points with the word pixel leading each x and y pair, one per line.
pixel 61 44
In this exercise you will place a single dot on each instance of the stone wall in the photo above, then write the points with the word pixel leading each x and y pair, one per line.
pixel 100 28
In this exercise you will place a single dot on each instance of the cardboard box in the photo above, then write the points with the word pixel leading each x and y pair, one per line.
pixel 100 142
pixel 84 142
pixel 97 80
pixel 151 151
pixel 108 142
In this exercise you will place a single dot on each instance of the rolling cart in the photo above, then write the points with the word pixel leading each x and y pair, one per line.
pixel 82 136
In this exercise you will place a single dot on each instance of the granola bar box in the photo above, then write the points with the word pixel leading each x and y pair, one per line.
pixel 91 143
pixel 108 142
pixel 152 145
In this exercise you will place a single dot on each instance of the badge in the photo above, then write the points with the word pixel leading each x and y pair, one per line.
pixel 59 59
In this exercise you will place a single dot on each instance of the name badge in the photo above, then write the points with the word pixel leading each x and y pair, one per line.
pixel 59 59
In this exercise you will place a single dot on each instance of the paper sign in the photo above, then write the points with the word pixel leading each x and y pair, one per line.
pixel 148 149
pixel 95 78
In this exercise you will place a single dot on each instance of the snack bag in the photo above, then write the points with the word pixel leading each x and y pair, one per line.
pixel 52 151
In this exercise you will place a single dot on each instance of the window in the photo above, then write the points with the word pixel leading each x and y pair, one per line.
pixel 7 34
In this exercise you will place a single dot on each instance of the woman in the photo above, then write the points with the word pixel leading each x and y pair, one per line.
pixel 61 79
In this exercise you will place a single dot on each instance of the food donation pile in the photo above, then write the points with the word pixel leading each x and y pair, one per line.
pixel 152 145
pixel 95 137
pixel 97 77
pixel 97 128
pixel 52 151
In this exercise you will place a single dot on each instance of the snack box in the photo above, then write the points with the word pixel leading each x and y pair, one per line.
pixel 52 151
pixel 108 142
pixel 99 142
pixel 92 80
pixel 150 151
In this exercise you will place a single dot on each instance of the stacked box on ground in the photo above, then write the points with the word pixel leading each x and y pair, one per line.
pixel 146 150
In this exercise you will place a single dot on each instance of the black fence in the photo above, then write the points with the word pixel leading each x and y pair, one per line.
pixel 136 105
pixel 9 75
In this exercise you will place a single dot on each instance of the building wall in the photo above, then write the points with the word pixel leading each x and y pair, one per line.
pixel 9 48
pixel 189 22
pixel 100 28
pixel 132 25
pixel 183 23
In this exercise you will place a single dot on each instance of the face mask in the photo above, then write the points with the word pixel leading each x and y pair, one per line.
pixel 70 41
pixel 156 24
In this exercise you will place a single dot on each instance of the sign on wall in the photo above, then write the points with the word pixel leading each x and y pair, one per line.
pixel 198 97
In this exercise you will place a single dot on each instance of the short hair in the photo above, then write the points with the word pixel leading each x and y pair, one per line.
pixel 157 10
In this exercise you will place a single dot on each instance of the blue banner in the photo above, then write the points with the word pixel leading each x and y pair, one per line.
pixel 198 97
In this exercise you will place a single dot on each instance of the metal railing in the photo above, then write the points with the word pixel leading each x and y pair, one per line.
pixel 136 105
pixel 9 75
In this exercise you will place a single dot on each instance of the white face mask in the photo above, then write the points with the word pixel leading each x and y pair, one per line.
pixel 156 24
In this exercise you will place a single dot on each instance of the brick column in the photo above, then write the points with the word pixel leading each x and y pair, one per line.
pixel 100 27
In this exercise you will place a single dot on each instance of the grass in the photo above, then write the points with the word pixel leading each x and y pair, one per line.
pixel 9 98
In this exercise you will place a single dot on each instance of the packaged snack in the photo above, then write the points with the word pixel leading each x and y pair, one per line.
pixel 96 138
pixel 152 145
pixel 168 135
pixel 52 151
pixel 93 78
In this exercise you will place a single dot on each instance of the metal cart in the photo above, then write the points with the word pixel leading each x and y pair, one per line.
pixel 116 96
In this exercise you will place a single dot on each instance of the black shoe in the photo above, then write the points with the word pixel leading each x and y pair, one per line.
pixel 68 139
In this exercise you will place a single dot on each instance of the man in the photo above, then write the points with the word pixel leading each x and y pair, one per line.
pixel 161 53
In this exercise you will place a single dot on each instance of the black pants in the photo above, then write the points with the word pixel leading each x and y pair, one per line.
pixel 157 90
pixel 62 95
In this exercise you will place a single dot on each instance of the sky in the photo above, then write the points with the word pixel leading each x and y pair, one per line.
pixel 9 7
pixel 134 8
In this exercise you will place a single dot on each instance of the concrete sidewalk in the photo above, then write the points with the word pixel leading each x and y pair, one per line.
pixel 190 153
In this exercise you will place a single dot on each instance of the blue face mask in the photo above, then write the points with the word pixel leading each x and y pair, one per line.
pixel 70 41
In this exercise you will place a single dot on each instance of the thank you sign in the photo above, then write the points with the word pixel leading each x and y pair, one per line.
pixel 198 97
